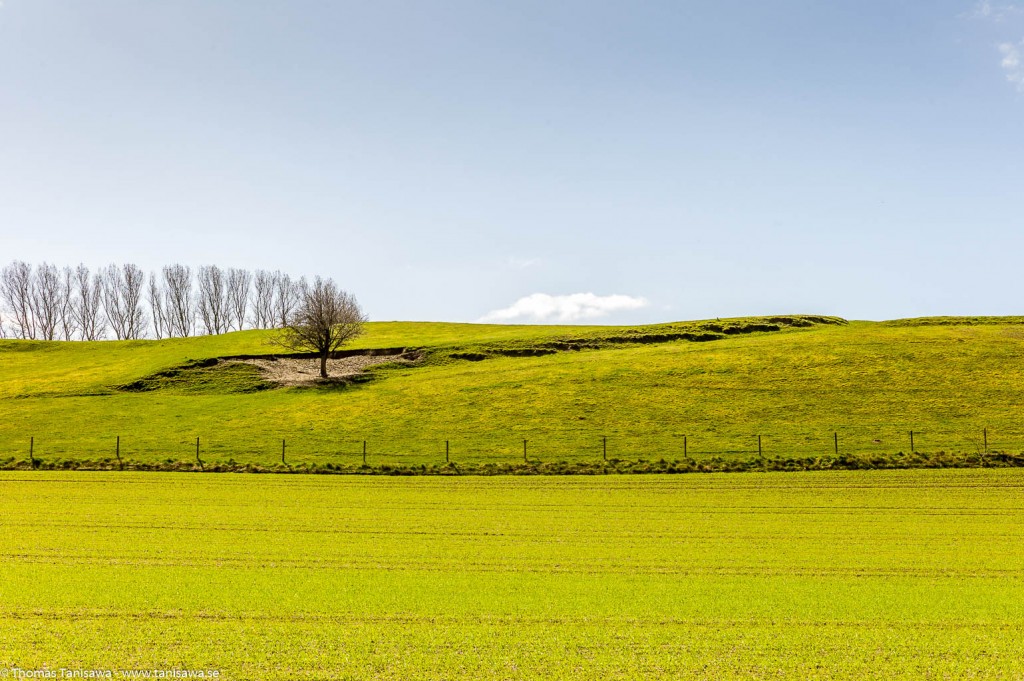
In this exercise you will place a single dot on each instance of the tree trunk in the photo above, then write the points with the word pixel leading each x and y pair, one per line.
pixel 323 365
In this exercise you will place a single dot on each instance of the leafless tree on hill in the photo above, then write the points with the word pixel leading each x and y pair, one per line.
pixel 47 302
pixel 134 280
pixel 179 304
pixel 212 299
pixel 88 304
pixel 324 319
pixel 44 300
pixel 264 285
pixel 287 295
pixel 239 283
pixel 113 307
pixel 66 312
pixel 122 300
pixel 16 293
pixel 156 294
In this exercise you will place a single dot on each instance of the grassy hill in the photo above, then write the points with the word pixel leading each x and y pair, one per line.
pixel 715 385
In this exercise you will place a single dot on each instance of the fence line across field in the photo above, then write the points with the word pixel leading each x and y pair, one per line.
pixel 535 448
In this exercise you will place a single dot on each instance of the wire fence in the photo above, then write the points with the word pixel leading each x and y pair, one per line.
pixel 505 448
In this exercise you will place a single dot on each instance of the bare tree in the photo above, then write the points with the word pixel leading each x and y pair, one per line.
pixel 49 302
pixel 88 304
pixel 109 278
pixel 179 304
pixel 134 280
pixel 239 283
pixel 156 294
pixel 16 292
pixel 113 305
pixel 212 299
pixel 44 300
pixel 66 310
pixel 122 300
pixel 286 297
pixel 263 299
pixel 326 317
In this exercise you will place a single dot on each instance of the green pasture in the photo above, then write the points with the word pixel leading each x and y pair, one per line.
pixel 828 575
pixel 952 381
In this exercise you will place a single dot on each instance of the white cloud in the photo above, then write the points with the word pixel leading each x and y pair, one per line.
pixel 1011 64
pixel 541 307
pixel 986 10
pixel 997 13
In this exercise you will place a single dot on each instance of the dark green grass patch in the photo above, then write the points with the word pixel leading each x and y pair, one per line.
pixel 661 466
pixel 203 377
pixel 586 339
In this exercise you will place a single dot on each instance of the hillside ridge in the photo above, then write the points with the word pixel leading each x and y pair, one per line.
pixel 864 390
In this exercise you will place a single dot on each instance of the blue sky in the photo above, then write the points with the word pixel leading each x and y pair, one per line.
pixel 524 160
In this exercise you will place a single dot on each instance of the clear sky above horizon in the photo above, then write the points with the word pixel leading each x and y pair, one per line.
pixel 613 162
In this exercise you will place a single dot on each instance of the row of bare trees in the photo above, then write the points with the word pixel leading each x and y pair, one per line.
pixel 46 302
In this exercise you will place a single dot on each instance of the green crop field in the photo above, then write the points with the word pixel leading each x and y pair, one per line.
pixel 653 392
pixel 840 574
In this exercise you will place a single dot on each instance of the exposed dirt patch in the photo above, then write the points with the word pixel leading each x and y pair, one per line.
pixel 294 371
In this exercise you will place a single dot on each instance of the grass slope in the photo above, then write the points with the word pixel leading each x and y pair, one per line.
pixel 843 575
pixel 944 378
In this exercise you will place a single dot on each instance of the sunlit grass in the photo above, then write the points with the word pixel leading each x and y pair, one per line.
pixel 910 574
pixel 870 384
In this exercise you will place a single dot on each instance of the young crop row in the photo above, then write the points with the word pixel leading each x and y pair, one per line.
pixel 899 574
